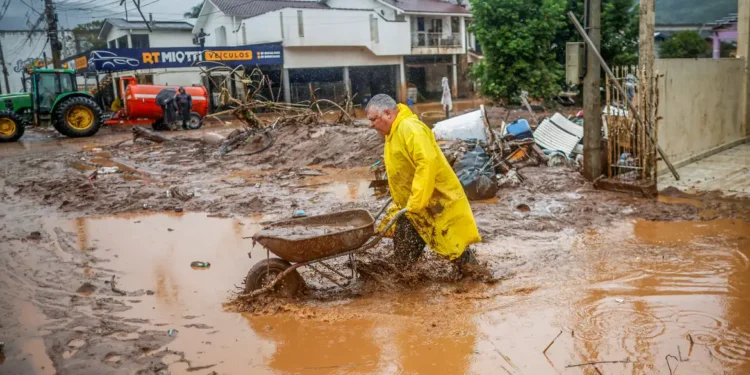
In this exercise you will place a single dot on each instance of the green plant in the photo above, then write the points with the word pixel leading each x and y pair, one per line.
pixel 517 41
pixel 684 44
pixel 194 11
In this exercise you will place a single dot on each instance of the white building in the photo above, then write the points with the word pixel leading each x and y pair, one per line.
pixel 372 46
pixel 120 33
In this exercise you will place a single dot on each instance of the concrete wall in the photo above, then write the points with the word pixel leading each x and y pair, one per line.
pixel 321 57
pixel 700 106
pixel 157 38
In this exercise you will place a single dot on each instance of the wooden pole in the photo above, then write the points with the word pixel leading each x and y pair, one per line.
pixel 649 126
pixel 646 59
pixel 592 101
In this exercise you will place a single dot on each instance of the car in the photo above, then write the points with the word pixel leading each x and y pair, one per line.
pixel 110 60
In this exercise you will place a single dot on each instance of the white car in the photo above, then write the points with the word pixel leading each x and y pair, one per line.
pixel 111 60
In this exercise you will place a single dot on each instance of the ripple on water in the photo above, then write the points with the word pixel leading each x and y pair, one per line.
pixel 603 320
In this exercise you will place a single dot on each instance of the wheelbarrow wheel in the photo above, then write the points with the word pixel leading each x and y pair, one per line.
pixel 267 270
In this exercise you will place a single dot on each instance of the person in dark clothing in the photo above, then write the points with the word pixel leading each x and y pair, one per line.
pixel 184 105
pixel 202 38
pixel 168 113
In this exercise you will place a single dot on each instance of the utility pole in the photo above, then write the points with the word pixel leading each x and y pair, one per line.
pixel 592 101
pixel 5 70
pixel 646 62
pixel 54 43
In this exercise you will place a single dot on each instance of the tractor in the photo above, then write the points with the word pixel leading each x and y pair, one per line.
pixel 54 98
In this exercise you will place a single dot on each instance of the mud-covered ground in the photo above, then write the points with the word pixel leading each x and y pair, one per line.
pixel 554 240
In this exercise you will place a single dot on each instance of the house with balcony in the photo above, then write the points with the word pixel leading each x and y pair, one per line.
pixel 362 47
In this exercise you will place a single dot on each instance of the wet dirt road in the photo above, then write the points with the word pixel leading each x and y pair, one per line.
pixel 642 296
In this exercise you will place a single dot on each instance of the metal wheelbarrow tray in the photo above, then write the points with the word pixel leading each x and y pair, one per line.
pixel 338 233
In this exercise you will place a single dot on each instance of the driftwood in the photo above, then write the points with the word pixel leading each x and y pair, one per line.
pixel 141 132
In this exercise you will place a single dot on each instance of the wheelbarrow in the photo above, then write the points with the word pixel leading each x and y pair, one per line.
pixel 345 234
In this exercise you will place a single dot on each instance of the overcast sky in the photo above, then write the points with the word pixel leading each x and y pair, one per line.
pixel 74 12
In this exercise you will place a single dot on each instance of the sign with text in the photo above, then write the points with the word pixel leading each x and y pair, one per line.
pixel 117 59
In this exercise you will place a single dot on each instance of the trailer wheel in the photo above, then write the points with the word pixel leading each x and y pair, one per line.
pixel 267 270
pixel 11 127
pixel 78 117
pixel 196 121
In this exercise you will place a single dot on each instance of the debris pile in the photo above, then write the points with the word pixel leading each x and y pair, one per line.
pixel 487 159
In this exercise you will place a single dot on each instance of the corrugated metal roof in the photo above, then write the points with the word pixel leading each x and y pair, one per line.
pixel 156 25
pixel 252 8
pixel 427 6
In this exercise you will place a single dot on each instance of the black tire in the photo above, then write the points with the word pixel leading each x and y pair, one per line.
pixel 11 127
pixel 267 270
pixel 196 121
pixel 77 130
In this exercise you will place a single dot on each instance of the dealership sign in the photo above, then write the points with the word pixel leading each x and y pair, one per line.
pixel 116 59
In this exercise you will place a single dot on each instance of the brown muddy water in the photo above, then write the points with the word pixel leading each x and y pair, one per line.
pixel 655 297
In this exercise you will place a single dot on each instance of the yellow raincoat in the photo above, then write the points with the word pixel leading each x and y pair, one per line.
pixel 422 181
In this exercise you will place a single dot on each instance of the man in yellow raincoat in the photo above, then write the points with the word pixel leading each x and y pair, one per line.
pixel 422 181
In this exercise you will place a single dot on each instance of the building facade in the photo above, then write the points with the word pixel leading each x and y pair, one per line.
pixel 363 47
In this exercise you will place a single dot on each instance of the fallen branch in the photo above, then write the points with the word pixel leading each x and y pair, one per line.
pixel 114 289
pixel 271 141
pixel 141 132
pixel 553 341
pixel 598 362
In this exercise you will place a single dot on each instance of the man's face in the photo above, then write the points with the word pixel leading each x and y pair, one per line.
pixel 381 122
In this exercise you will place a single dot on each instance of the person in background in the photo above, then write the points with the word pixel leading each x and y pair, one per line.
pixel 184 105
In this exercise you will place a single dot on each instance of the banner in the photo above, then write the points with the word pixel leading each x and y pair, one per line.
pixel 117 59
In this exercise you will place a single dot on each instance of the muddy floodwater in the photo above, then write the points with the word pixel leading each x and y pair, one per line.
pixel 96 276
pixel 638 292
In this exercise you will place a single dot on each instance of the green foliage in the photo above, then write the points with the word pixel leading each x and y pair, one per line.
pixel 684 44
pixel 87 35
pixel 194 11
pixel 620 22
pixel 517 41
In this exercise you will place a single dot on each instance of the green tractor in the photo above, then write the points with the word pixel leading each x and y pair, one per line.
pixel 54 98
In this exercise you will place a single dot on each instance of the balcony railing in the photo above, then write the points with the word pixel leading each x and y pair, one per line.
pixel 435 40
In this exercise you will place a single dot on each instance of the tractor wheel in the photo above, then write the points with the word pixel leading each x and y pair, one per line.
pixel 196 121
pixel 267 270
pixel 78 117
pixel 11 127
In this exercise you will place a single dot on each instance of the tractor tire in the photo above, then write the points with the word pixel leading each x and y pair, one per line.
pixel 11 127
pixel 267 270
pixel 78 117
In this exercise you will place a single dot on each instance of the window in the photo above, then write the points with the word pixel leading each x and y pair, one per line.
pixel 420 23
pixel 455 25
pixel 300 24
pixel 374 29
pixel 145 79
pixel 112 44
pixel 140 41
pixel 122 42
pixel 66 83
pixel 437 25
pixel 46 88
pixel 221 36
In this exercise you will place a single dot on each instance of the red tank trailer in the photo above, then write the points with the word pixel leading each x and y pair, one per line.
pixel 139 104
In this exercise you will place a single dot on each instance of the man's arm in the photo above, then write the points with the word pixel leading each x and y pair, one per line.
pixel 420 149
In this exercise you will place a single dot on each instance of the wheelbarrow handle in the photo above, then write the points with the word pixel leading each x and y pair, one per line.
pixel 393 221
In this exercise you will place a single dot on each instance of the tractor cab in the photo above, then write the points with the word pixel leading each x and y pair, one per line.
pixel 53 98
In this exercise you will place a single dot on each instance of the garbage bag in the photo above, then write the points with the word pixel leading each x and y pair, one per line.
pixel 476 174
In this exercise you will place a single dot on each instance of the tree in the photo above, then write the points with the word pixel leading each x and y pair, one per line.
pixel 517 41
pixel 620 22
pixel 684 44
pixel 86 36
pixel 194 11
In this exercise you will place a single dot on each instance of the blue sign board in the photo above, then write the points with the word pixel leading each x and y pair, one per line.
pixel 117 59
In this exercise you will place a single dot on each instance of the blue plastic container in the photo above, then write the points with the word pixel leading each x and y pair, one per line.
pixel 520 128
